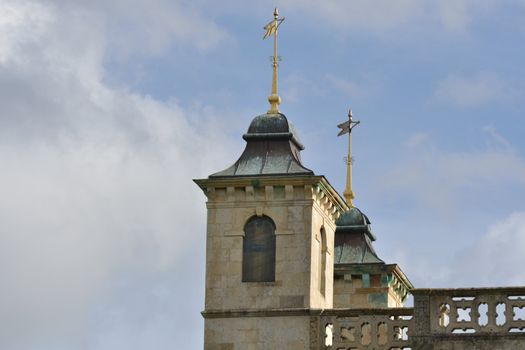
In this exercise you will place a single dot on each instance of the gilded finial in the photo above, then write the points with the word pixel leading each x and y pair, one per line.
pixel 271 29
pixel 346 128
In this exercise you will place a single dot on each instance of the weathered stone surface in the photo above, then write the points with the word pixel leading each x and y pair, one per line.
pixel 258 333
pixel 424 327
pixel 300 208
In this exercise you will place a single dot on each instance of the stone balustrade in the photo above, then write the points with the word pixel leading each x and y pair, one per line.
pixel 472 311
pixel 460 319
pixel 366 328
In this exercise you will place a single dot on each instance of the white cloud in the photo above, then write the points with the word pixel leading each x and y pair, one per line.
pixel 497 257
pixel 437 178
pixel 455 197
pixel 417 139
pixel 471 91
pixel 347 87
pixel 18 24
pixel 95 183
pixel 492 258
pixel 455 15
pixel 383 16
pixel 297 87
pixel 145 28
pixel 379 15
pixel 152 27
pixel 496 140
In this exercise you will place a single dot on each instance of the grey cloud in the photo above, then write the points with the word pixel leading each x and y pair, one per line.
pixel 497 257
pixel 480 89
pixel 148 28
pixel 437 178
pixel 96 190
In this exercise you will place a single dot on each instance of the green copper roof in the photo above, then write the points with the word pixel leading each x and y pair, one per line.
pixel 353 239
pixel 272 148
pixel 353 220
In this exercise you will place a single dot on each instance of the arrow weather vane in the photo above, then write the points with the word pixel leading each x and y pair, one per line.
pixel 271 29
pixel 346 128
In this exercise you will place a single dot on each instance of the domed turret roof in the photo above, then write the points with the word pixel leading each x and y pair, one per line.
pixel 272 149
pixel 266 123
pixel 353 239
pixel 352 217
pixel 274 126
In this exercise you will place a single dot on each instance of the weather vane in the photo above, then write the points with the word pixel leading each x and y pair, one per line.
pixel 346 128
pixel 271 29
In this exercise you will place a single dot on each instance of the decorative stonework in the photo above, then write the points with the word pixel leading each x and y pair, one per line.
pixel 362 329
pixel 441 319
pixel 269 197
pixel 476 311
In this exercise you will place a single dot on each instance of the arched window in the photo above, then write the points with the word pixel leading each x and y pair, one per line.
pixel 258 250
pixel 322 262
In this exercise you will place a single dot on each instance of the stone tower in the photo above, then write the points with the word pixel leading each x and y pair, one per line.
pixel 270 243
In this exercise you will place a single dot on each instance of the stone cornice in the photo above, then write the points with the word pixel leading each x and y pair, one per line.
pixel 304 312
pixel 316 188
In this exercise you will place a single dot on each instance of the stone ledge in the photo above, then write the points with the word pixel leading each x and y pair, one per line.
pixel 401 311
pixel 267 204
pixel 261 313
pixel 390 311
pixel 473 337
pixel 468 291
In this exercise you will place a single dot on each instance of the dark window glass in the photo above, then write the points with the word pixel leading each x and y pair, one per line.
pixel 258 250
pixel 322 262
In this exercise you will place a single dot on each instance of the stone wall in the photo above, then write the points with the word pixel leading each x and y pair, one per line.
pixel 257 333
pixel 299 210
pixel 370 286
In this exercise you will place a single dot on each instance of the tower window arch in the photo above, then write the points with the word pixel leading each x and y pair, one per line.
pixel 258 250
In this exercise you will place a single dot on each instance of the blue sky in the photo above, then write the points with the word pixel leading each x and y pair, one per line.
pixel 110 108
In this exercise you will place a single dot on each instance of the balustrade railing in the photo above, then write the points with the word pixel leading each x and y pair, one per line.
pixel 439 315
pixel 480 310
pixel 379 329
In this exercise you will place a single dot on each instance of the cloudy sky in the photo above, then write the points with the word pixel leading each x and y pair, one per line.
pixel 108 109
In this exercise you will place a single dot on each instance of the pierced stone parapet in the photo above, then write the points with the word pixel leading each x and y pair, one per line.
pixel 365 329
pixel 476 311
pixel 465 319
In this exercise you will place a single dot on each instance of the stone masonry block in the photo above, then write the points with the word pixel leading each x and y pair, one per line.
pixel 223 216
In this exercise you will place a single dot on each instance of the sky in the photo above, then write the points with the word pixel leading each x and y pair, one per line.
pixel 109 109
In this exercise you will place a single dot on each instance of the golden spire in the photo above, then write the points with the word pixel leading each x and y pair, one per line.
pixel 346 128
pixel 271 29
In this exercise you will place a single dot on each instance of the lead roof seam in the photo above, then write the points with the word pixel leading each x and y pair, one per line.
pixel 264 161
pixel 236 167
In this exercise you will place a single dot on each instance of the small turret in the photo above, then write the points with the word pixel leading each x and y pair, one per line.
pixel 361 278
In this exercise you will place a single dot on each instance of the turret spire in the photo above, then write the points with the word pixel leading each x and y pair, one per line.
pixel 271 29
pixel 346 128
